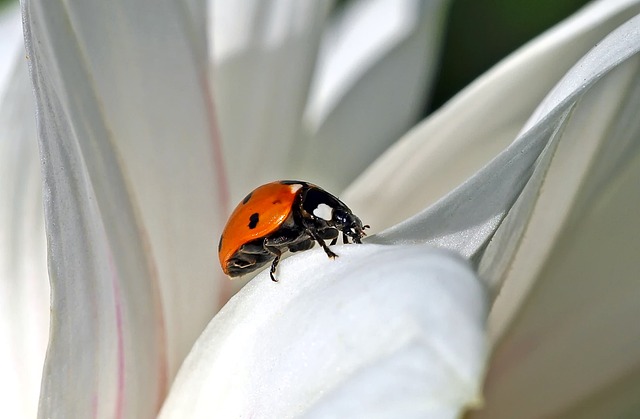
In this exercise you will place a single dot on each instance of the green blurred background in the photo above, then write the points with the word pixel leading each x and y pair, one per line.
pixel 481 32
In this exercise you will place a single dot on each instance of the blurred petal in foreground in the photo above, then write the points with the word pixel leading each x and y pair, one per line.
pixel 381 330
pixel 10 43
pixel 24 283
pixel 131 198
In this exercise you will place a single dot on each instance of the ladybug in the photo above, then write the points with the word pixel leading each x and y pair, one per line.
pixel 279 216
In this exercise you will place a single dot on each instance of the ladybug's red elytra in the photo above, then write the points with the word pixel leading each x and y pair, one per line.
pixel 279 216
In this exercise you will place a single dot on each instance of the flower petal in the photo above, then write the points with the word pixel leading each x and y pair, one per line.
pixel 467 218
pixel 133 204
pixel 441 153
pixel 564 323
pixel 263 56
pixel 619 49
pixel 24 283
pixel 393 329
pixel 376 61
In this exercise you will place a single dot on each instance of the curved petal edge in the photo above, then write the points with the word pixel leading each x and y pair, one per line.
pixel 406 322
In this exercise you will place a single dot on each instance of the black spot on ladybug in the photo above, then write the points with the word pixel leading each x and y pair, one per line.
pixel 253 220
pixel 220 243
pixel 247 198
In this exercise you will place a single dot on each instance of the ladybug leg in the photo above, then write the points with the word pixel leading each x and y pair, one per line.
pixel 277 253
pixel 345 240
pixel 330 233
pixel 277 244
pixel 321 242
pixel 272 271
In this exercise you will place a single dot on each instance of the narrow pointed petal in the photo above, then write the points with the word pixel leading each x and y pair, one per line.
pixel 564 324
pixel 381 331
pixel 263 56
pixel 24 283
pixel 133 201
pixel 370 85
pixel 467 218
pixel 479 123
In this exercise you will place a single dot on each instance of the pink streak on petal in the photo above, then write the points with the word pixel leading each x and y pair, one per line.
pixel 120 346
pixel 158 313
pixel 163 381
pixel 163 374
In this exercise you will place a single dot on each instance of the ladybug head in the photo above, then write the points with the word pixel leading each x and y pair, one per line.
pixel 349 224
pixel 328 211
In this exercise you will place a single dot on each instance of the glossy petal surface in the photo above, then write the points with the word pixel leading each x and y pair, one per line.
pixel 24 283
pixel 380 331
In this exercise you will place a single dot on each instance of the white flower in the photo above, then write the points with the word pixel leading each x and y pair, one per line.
pixel 24 286
pixel 138 185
